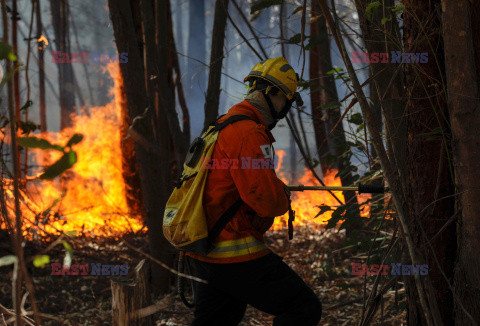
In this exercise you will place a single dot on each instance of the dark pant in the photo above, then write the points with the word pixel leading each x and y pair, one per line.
pixel 267 284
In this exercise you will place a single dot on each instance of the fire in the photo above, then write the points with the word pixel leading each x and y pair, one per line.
pixel 305 204
pixel 88 199
pixel 43 39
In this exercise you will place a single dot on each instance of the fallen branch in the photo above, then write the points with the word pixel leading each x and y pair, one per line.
pixel 9 312
pixel 164 265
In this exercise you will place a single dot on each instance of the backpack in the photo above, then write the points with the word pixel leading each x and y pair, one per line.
pixel 184 220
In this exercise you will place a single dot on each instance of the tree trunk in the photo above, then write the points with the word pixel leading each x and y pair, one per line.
pixel 427 151
pixel 323 94
pixel 155 181
pixel 41 72
pixel 196 76
pixel 16 72
pixel 129 165
pixel 323 86
pixel 129 294
pixel 282 19
pixel 386 90
pixel 16 76
pixel 60 14
pixel 216 59
pixel 464 109
pixel 177 82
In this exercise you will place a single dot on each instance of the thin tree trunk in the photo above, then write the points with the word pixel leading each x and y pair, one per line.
pixel 16 72
pixel 427 161
pixel 386 90
pixel 20 273
pixel 196 74
pixel 325 119
pixel 178 82
pixel 27 77
pixel 41 72
pixel 60 14
pixel 216 59
pixel 17 241
pixel 319 95
pixel 464 109
pixel 84 65
pixel 282 19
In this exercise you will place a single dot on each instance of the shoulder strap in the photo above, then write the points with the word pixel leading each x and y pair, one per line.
pixel 234 118
pixel 232 210
pixel 224 219
pixel 230 120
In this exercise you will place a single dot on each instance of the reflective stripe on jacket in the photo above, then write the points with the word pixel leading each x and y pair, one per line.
pixel 261 191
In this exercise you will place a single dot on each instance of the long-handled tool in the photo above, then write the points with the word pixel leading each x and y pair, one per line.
pixel 361 188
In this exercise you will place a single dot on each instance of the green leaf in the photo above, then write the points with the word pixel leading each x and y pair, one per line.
pixel 35 142
pixel 6 52
pixel 295 39
pixel 12 57
pixel 71 233
pixel 27 127
pixel 336 217
pixel 8 260
pixel 67 246
pixel 298 9
pixel 356 119
pixel 41 260
pixel 371 8
pixel 323 209
pixel 384 20
pixel 399 8
pixel 63 164
pixel 334 71
pixel 305 84
pixel 75 139
pixel 262 4
pixel 26 106
pixel 331 105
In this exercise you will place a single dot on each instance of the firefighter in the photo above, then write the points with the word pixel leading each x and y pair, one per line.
pixel 241 270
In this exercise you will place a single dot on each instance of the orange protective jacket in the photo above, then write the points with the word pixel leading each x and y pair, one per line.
pixel 262 192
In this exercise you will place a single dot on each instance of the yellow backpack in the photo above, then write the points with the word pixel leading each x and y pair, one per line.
pixel 184 220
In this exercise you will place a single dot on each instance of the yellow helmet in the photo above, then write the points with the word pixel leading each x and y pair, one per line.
pixel 278 72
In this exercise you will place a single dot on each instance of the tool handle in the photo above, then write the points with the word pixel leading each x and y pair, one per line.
pixel 371 189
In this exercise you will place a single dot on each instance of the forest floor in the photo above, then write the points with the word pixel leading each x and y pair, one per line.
pixel 318 256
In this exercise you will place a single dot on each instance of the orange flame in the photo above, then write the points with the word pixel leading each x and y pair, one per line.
pixel 43 39
pixel 306 204
pixel 90 197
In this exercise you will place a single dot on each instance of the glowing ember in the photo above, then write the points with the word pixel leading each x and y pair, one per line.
pixel 90 198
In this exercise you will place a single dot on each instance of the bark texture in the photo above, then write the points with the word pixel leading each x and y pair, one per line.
pixel 60 13
pixel 325 116
pixel 464 109
pixel 427 156
pixel 151 142
pixel 216 59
